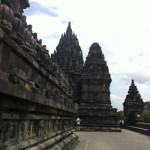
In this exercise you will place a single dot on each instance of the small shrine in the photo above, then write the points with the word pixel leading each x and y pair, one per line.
pixel 133 105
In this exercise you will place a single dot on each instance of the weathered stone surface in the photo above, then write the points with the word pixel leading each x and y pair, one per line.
pixel 1 33
pixel 36 101
pixel 7 16
pixel 133 105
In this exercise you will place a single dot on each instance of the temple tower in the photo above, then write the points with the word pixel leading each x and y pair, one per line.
pixel 133 105
pixel 68 56
pixel 95 110
pixel 68 53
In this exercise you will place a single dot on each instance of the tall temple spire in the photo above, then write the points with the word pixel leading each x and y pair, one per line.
pixel 132 83
pixel 95 52
pixel 68 52
pixel 69 30
pixel 93 64
pixel 95 68
pixel 69 57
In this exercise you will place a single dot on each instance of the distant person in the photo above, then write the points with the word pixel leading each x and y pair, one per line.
pixel 125 124
pixel 78 124
pixel 120 124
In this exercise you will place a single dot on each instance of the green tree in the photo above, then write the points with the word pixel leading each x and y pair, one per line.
pixel 147 106
pixel 147 116
pixel 121 114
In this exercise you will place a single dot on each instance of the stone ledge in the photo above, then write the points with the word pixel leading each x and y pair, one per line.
pixel 102 129
pixel 67 144
pixel 60 142
pixel 25 116
pixel 23 94
pixel 139 130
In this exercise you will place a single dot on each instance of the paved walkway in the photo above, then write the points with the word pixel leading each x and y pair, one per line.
pixel 125 140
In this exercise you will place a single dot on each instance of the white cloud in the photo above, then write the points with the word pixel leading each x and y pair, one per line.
pixel 122 27
pixel 117 102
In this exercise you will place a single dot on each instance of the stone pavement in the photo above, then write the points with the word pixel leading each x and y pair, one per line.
pixel 125 140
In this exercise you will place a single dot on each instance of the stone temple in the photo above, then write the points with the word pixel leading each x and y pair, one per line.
pixel 133 105
pixel 38 92
pixel 95 109
pixel 90 82
pixel 68 56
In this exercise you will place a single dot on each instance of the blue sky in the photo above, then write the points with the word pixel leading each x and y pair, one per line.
pixel 121 27
pixel 36 7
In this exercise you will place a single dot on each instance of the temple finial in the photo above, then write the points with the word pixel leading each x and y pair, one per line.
pixel 69 30
pixel 132 83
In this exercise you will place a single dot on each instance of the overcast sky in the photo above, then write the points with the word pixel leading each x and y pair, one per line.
pixel 121 27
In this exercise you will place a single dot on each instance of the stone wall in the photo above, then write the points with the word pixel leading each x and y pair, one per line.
pixel 36 103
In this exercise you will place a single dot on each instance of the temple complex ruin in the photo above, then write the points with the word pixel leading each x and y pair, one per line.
pixel 133 105
pixel 38 92
pixel 90 82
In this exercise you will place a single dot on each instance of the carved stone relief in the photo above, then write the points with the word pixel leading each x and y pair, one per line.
pixel 6 19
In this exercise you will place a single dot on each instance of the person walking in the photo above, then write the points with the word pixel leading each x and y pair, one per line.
pixel 78 124
pixel 122 123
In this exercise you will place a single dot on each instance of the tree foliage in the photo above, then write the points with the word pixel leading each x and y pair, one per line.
pixel 121 114
pixel 147 116
pixel 147 106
